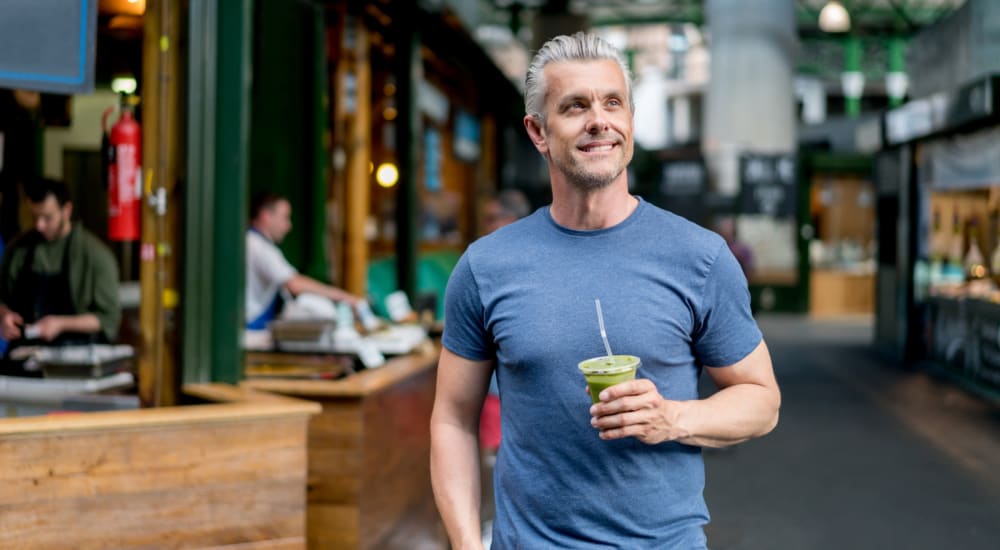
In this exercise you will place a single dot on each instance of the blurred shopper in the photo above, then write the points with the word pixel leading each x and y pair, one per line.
pixel 504 208
pixel 625 472
pixel 725 226
pixel 268 272
pixel 58 281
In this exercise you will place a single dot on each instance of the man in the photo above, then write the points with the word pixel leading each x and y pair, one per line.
pixel 268 272
pixel 504 208
pixel 58 282
pixel 625 472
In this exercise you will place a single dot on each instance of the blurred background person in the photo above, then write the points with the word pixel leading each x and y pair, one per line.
pixel 268 272
pixel 58 281
pixel 504 208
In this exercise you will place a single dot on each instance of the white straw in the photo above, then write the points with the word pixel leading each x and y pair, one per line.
pixel 600 321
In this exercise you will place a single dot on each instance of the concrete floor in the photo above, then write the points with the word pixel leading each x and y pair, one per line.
pixel 867 455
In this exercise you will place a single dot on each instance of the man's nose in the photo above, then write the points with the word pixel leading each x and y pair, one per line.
pixel 598 121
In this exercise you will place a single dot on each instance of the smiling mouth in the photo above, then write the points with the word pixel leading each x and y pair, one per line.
pixel 599 148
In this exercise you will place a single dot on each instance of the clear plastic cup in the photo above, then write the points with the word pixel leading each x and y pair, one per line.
pixel 602 372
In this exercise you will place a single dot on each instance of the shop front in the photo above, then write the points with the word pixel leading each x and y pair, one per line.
pixel 384 136
pixel 942 164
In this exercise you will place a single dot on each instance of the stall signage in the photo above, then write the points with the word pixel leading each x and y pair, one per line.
pixel 48 45
pixel 683 186
pixel 983 347
pixel 683 178
pixel 916 119
pixel 942 111
pixel 767 185
pixel 971 103
pixel 467 136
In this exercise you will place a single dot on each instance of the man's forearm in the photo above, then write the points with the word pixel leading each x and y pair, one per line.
pixel 731 415
pixel 456 479
pixel 302 283
pixel 85 323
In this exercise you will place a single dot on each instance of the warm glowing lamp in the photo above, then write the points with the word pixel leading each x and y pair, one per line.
pixel 124 84
pixel 834 17
pixel 387 175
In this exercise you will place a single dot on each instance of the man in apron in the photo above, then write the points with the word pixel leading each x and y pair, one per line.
pixel 58 281
pixel 268 272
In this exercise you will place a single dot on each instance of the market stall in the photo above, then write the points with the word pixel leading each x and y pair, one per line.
pixel 228 474
pixel 369 449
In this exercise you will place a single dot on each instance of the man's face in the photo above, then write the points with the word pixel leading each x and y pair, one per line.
pixel 278 220
pixel 587 136
pixel 50 219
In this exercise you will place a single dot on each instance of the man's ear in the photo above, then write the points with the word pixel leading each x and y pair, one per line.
pixel 536 133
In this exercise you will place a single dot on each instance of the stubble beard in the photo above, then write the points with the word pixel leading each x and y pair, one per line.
pixel 587 178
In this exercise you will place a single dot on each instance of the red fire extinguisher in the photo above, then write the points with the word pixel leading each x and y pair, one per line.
pixel 124 175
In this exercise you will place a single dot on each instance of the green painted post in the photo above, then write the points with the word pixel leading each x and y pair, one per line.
pixel 318 265
pixel 408 71
pixel 215 199
pixel 852 64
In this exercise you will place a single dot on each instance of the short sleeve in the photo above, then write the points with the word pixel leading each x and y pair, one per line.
pixel 270 264
pixel 465 331
pixel 725 331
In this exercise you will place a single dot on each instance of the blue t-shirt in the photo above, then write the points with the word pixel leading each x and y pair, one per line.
pixel 672 294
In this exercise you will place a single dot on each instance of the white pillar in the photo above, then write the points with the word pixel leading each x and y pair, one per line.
pixel 750 102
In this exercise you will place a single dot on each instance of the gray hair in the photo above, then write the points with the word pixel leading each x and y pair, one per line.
pixel 578 47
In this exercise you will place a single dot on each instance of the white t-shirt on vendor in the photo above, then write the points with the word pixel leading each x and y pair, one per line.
pixel 267 272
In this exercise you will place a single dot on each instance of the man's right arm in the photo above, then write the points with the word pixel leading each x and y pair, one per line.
pixel 299 283
pixel 461 388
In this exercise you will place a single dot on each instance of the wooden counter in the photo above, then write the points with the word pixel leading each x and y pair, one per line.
pixel 833 292
pixel 369 456
pixel 200 476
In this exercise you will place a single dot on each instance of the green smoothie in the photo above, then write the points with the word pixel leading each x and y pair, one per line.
pixel 602 372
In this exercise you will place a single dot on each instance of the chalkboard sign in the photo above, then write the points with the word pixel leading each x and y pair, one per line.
pixel 48 45
pixel 682 187
pixel 767 185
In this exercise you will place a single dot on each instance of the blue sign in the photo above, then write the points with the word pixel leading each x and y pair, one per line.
pixel 467 136
pixel 48 45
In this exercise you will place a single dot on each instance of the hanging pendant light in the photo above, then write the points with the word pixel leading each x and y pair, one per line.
pixel 834 17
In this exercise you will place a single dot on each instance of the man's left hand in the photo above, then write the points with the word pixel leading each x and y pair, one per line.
pixel 636 409
pixel 49 327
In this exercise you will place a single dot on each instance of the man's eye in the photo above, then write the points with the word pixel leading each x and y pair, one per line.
pixel 615 103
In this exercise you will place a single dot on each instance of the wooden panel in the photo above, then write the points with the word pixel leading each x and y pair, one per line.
pixel 397 465
pixel 330 526
pixel 364 383
pixel 294 543
pixel 232 477
pixel 369 456
pixel 841 293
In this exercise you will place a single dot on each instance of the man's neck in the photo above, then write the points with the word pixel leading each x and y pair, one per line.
pixel 590 210
pixel 260 231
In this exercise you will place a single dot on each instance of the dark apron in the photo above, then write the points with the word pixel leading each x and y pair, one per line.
pixel 36 295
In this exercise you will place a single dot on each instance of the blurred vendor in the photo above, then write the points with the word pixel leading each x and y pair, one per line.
pixel 268 272
pixel 58 281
